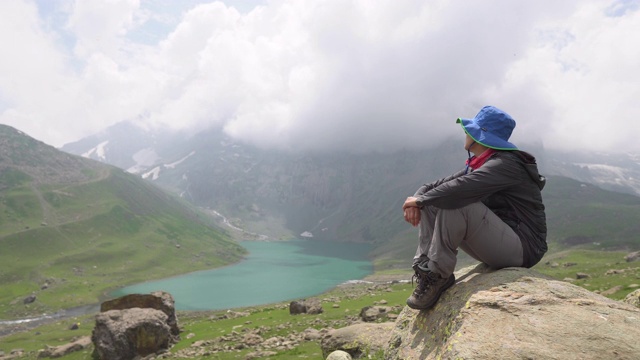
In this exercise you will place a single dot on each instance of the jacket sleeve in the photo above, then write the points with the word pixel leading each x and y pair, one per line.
pixel 427 187
pixel 496 174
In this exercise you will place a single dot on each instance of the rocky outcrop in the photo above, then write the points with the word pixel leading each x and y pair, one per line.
pixel 135 326
pixel 516 313
pixel 633 298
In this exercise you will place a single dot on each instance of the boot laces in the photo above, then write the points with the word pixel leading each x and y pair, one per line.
pixel 423 280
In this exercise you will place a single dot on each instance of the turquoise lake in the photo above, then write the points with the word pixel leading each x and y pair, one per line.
pixel 272 272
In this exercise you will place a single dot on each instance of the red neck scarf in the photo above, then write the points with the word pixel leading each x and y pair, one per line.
pixel 475 162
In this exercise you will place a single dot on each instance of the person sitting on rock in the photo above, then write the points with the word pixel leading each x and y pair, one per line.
pixel 492 209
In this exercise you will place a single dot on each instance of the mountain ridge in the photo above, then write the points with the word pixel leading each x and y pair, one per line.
pixel 357 197
pixel 73 228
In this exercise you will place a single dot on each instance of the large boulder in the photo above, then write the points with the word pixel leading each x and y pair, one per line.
pixel 516 313
pixel 126 334
pixel 158 300
pixel 135 325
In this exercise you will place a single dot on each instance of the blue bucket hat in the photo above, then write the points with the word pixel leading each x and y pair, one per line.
pixel 491 127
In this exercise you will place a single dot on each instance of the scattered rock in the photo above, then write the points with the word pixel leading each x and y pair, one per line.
pixel 528 316
pixel 297 307
pixel 611 291
pixel 582 276
pixel 359 340
pixel 29 299
pixel 569 264
pixel 311 334
pixel 311 307
pixel 634 256
pixel 260 355
pixel 339 355
pixel 373 313
pixel 614 272
pixel 62 350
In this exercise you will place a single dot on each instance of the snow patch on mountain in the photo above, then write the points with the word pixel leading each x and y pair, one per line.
pixel 154 173
pixel 604 174
pixel 143 159
pixel 100 151
pixel 173 164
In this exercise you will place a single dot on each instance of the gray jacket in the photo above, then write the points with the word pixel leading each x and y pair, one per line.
pixel 509 184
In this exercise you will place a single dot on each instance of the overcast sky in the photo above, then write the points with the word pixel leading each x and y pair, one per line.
pixel 316 74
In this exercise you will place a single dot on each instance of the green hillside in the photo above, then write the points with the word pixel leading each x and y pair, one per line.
pixel 71 229
pixel 580 214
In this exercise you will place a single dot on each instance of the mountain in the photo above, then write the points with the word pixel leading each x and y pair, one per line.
pixel 357 197
pixel 72 229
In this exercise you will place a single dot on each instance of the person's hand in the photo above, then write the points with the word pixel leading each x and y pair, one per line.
pixel 411 211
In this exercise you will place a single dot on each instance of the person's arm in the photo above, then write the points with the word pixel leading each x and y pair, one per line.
pixel 496 174
pixel 426 187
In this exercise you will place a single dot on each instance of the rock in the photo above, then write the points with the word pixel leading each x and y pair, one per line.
pixel 359 340
pixel 634 256
pixel 633 298
pixel 29 299
pixel 339 355
pixel 582 276
pixel 158 300
pixel 373 313
pixel 74 326
pixel 125 334
pixel 311 307
pixel 611 291
pixel 62 350
pixel 614 271
pixel 311 334
pixel 516 313
pixel 259 355
pixel 297 307
pixel 252 339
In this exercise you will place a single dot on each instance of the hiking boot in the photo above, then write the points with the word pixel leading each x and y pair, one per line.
pixel 430 286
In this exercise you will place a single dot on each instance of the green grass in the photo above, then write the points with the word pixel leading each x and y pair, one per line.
pixel 275 320
pixel 85 240
pixel 597 265
pixel 272 320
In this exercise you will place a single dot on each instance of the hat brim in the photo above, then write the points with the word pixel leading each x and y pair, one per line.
pixel 484 138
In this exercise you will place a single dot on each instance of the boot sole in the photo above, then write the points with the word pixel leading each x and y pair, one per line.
pixel 450 281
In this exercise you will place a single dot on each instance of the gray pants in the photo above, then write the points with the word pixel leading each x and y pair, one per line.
pixel 475 229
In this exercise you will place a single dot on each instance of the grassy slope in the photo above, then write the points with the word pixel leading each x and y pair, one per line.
pixel 86 239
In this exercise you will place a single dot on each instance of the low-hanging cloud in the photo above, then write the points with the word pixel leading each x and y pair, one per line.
pixel 323 75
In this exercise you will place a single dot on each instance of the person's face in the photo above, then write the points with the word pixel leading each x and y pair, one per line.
pixel 468 141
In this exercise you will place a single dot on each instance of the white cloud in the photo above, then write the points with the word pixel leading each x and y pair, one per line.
pixel 328 74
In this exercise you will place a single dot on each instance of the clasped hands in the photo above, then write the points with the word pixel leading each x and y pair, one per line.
pixel 411 211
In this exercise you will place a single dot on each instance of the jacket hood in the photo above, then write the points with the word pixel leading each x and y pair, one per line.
pixel 529 163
